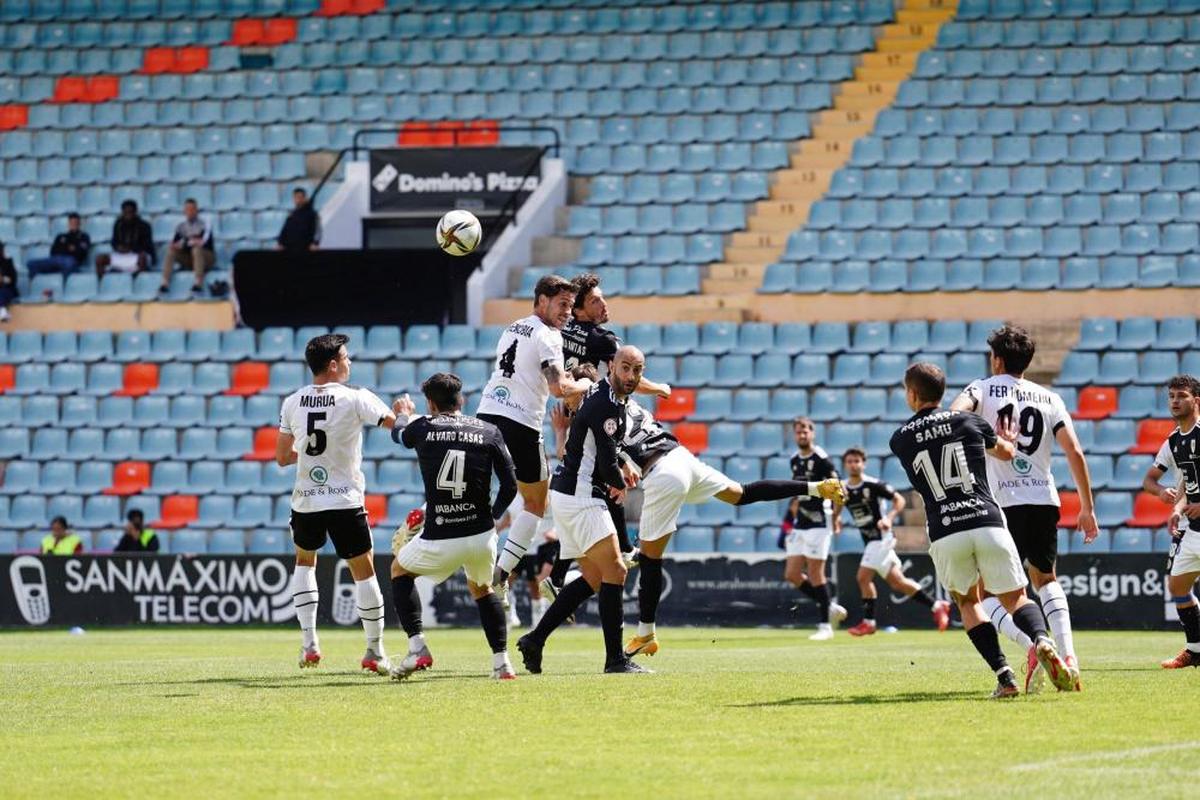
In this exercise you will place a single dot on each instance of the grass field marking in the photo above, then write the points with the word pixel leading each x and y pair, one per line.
pixel 1106 755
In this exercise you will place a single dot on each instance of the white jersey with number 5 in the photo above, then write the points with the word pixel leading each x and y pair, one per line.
pixel 1039 414
pixel 518 389
pixel 326 421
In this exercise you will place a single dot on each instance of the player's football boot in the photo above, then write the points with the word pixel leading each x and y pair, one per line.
pixel 1073 668
pixel 837 614
pixel 414 523
pixel 504 673
pixel 413 662
pixel 1050 660
pixel 500 586
pixel 376 662
pixel 1035 676
pixel 631 558
pixel 531 653
pixel 1005 690
pixel 625 665
pixel 864 628
pixel 824 633
pixel 642 646
pixel 309 657
pixel 550 592
pixel 941 614
pixel 1186 658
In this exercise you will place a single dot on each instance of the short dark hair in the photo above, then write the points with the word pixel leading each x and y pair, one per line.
pixel 73 215
pixel 1188 383
pixel 1014 346
pixel 61 520
pixel 583 286
pixel 136 516
pixel 551 286
pixel 927 381
pixel 854 451
pixel 320 350
pixel 129 204
pixel 804 421
pixel 585 370
pixel 444 391
pixel 191 200
pixel 300 190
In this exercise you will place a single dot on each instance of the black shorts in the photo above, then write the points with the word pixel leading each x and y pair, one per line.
pixel 1035 531
pixel 346 527
pixel 524 445
pixel 527 567
pixel 547 553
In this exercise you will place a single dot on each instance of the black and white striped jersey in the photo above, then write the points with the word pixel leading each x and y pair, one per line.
pixel 588 343
pixel 1179 456
pixel 589 466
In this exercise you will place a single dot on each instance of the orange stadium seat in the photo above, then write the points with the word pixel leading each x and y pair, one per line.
pixel 1068 515
pixel 279 30
pixel 70 89
pixel 101 88
pixel 1096 402
pixel 367 6
pixel 333 8
pixel 13 116
pixel 249 377
pixel 139 379
pixel 680 405
pixel 130 477
pixel 158 60
pixel 264 444
pixel 692 435
pixel 376 505
pixel 247 32
pixel 1149 512
pixel 1150 435
pixel 191 59
pixel 8 377
pixel 177 511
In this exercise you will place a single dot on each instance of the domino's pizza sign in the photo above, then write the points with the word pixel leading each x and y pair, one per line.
pixel 479 179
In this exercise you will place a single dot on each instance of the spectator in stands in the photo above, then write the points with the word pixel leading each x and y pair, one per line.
pixel 8 284
pixel 302 229
pixel 61 540
pixel 138 538
pixel 68 253
pixel 132 243
pixel 191 248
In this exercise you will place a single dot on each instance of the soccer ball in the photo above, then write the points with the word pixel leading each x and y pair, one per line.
pixel 459 232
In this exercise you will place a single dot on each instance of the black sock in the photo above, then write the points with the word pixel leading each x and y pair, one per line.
pixel 822 598
pixel 617 512
pixel 1189 618
pixel 987 642
pixel 1031 621
pixel 807 590
pixel 570 598
pixel 758 491
pixel 923 597
pixel 408 603
pixel 611 619
pixel 650 583
pixel 491 617
pixel 559 571
pixel 869 608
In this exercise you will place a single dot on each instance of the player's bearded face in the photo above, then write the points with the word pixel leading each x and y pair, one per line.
pixel 597 307
pixel 558 310
pixel 1181 403
pixel 854 466
pixel 804 435
pixel 627 375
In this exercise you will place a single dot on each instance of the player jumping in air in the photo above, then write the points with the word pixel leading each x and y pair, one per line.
pixel 944 454
pixel 458 455
pixel 864 496
pixel 327 416
pixel 1024 486
pixel 1180 454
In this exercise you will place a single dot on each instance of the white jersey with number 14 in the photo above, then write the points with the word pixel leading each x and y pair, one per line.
pixel 1039 414
pixel 517 389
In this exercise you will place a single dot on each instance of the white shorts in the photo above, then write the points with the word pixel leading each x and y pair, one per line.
pixel 580 522
pixel 962 558
pixel 123 262
pixel 440 558
pixel 676 478
pixel 1187 558
pixel 811 543
pixel 880 555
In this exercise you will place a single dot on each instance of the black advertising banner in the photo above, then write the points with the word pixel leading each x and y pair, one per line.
pixel 479 179
pixel 1121 591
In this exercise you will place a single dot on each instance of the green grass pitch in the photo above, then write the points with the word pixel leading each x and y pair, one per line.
pixel 729 713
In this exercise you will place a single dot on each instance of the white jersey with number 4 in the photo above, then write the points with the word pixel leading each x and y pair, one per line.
pixel 1039 414
pixel 518 389
pixel 327 421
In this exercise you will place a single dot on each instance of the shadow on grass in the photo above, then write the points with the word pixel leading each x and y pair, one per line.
pixel 335 681
pixel 866 699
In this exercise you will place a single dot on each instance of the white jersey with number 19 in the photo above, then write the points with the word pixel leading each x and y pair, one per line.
pixel 1039 414
pixel 326 421
pixel 517 389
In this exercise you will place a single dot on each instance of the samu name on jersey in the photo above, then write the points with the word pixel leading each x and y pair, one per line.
pixel 458 456
pixel 589 466
pixel 1039 414
pixel 863 503
pixel 517 389
pixel 588 343
pixel 1179 456
pixel 813 468
pixel 945 456
pixel 644 437
pixel 326 421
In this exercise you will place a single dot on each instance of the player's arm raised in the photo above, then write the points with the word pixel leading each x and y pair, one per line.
pixel 1078 465
pixel 648 386
pixel 404 409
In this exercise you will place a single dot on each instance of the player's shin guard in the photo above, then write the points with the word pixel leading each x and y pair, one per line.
pixel 1003 622
pixel 650 583
pixel 304 598
pixel 491 617
pixel 1031 621
pixel 520 536
pixel 1058 617
pixel 370 611
pixel 611 620
pixel 570 598
pixel 984 637
pixel 407 601
pixel 758 491
pixel 1189 618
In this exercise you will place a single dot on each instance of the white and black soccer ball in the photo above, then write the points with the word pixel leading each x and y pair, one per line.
pixel 459 232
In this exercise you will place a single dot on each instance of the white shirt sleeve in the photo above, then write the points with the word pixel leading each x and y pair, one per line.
pixel 549 347
pixel 285 421
pixel 974 393
pixel 1165 459
pixel 1060 416
pixel 370 408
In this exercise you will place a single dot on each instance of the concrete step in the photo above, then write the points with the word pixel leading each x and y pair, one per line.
pixel 910 45
pixel 923 16
pixel 877 74
pixel 781 208
pixel 881 88
pixel 754 255
pixel 748 239
pixel 890 60
pixel 550 251
pixel 841 131
pixel 731 271
pixel 834 116
pixel 862 102
pixel 721 286
pixel 775 224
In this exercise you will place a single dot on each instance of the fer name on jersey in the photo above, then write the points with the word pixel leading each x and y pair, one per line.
pixel 1001 391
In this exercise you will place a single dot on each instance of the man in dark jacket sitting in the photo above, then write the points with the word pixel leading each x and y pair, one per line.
pixel 132 243
pixel 68 253
pixel 302 229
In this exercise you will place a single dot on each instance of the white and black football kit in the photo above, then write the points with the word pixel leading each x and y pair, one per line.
pixel 589 468
pixel 810 532
pixel 1179 456
pixel 1024 487
pixel 458 456
pixel 326 421
pixel 864 502
pixel 944 454
pixel 514 399
pixel 588 343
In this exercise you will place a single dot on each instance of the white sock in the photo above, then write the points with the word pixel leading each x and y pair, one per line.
pixel 1058 617
pixel 416 643
pixel 304 598
pixel 571 577
pixel 1004 623
pixel 514 619
pixel 500 660
pixel 370 611
pixel 539 609
pixel 645 628
pixel 520 536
